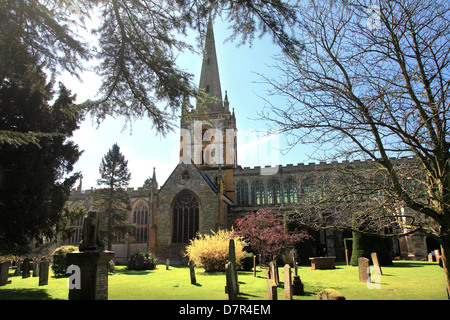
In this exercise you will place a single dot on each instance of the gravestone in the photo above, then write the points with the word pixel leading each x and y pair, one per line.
pixel 254 266
pixel 437 255
pixel 273 272
pixel 272 290
pixel 19 268
pixel 167 264
pixel 376 263
pixel 92 261
pixel 294 264
pixel 43 271
pixel 232 259
pixel 35 268
pixel 192 272
pixel 287 282
pixel 232 284
pixel 4 269
pixel 363 267
pixel 430 257
pixel 297 286
pixel 26 268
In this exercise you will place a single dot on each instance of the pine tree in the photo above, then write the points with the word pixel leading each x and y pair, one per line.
pixel 112 201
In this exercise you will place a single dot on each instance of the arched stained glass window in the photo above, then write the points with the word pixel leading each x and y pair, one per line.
pixel 273 191
pixel 242 192
pixel 185 223
pixel 257 189
pixel 290 190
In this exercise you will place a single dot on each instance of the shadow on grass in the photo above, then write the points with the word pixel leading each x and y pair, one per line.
pixel 24 294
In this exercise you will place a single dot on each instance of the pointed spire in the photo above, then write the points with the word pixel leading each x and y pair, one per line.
pixel 209 77
pixel 154 182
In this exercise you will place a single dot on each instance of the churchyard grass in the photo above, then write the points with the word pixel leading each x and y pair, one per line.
pixel 407 280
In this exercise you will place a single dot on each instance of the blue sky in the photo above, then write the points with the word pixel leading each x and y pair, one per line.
pixel 145 149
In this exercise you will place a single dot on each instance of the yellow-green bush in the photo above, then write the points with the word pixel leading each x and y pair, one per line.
pixel 210 251
pixel 59 260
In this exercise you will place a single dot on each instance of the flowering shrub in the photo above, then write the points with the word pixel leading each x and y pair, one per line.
pixel 210 251
pixel 266 233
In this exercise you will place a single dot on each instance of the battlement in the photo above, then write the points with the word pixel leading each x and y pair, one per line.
pixel 134 193
pixel 307 167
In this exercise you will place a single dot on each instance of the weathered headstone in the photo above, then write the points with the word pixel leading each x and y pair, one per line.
pixel 430 257
pixel 273 272
pixel 376 263
pixel 232 284
pixel 294 264
pixel 43 271
pixel 26 268
pixel 232 256
pixel 287 282
pixel 192 272
pixel 92 262
pixel 363 267
pixel 35 268
pixel 297 286
pixel 4 269
pixel 272 290
pixel 167 264
pixel 19 268
pixel 437 255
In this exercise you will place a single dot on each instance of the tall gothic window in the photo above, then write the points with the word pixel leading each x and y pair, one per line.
pixel 273 192
pixel 242 193
pixel 257 190
pixel 141 220
pixel 290 190
pixel 185 217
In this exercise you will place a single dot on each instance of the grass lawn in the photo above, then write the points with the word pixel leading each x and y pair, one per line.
pixel 406 280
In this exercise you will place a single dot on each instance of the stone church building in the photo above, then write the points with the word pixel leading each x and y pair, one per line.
pixel 208 190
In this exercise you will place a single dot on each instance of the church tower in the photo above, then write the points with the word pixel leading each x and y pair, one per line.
pixel 208 132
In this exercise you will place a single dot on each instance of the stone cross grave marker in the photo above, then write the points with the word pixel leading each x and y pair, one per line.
pixel 363 267
pixel 43 271
pixel 287 282
pixel 376 263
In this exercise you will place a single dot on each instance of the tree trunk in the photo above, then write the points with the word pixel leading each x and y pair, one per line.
pixel 445 256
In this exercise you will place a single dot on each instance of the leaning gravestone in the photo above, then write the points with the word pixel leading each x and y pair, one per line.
pixel 376 263
pixel 287 282
pixel 4 269
pixel 192 272
pixel 363 267
pixel 26 268
pixel 43 271
pixel 92 261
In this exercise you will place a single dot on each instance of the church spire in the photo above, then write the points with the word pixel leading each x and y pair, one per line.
pixel 209 77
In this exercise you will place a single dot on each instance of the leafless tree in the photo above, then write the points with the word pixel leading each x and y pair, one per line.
pixel 371 80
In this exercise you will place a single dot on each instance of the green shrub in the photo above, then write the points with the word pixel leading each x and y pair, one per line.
pixel 364 245
pixel 247 261
pixel 59 260
pixel 141 261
